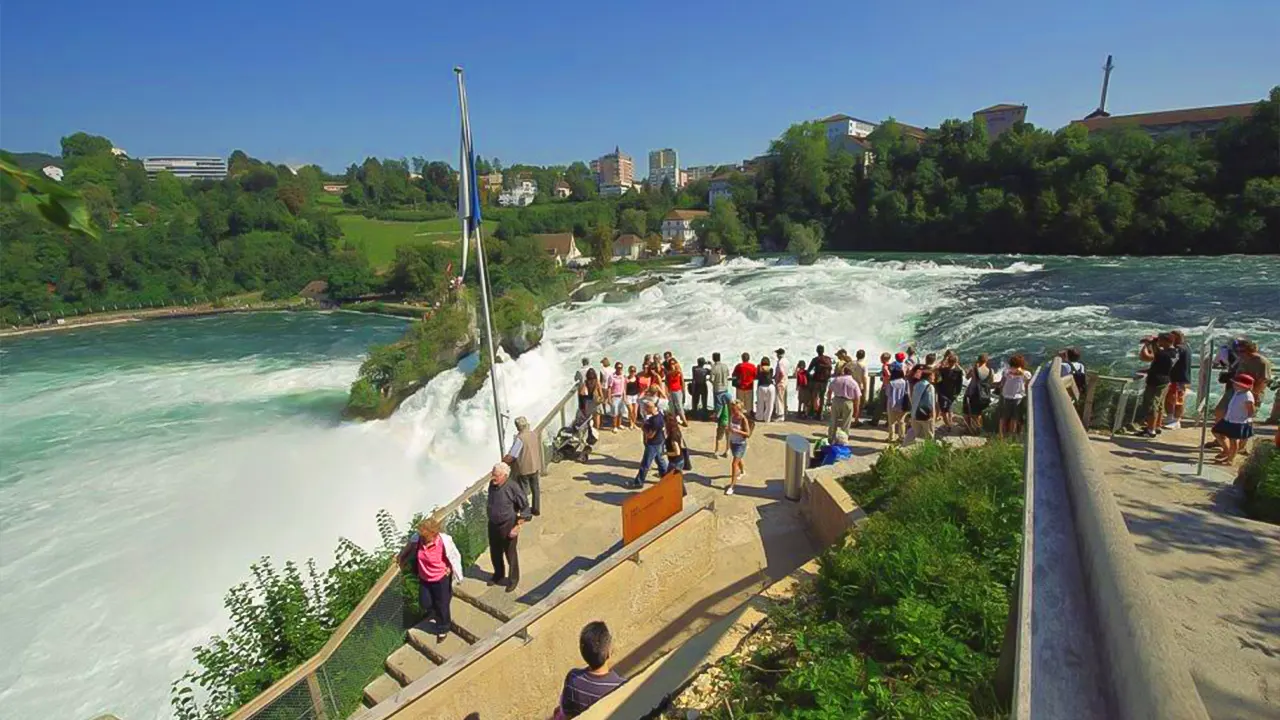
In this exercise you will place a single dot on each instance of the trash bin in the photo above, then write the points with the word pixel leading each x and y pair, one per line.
pixel 796 457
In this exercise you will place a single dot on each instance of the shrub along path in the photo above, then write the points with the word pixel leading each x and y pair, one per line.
pixel 1216 571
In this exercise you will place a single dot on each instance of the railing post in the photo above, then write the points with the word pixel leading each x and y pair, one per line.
pixel 1090 388
pixel 317 697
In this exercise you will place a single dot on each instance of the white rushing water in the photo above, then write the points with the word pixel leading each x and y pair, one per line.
pixel 134 495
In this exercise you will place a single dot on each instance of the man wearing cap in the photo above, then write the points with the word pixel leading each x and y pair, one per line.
pixel 654 432
pixel 525 456
pixel 780 382
pixel 842 395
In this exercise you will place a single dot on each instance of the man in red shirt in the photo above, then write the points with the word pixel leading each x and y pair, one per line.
pixel 744 379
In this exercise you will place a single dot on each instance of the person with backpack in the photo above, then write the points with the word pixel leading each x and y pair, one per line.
pixel 1014 385
pixel 977 395
pixel 924 403
pixel 434 558
pixel 950 383
pixel 895 395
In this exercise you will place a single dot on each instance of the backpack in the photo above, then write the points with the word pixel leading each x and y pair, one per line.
pixel 1078 374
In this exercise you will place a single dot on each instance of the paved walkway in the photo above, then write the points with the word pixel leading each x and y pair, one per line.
pixel 1216 571
pixel 761 535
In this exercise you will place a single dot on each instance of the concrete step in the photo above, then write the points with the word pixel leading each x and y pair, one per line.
pixel 407 664
pixel 383 687
pixel 424 642
pixel 472 623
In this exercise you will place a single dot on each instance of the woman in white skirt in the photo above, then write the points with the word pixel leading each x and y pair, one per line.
pixel 766 391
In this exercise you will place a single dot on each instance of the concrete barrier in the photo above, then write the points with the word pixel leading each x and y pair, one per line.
pixel 522 678
pixel 1145 667
pixel 827 509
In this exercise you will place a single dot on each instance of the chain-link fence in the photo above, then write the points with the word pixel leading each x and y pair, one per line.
pixel 330 686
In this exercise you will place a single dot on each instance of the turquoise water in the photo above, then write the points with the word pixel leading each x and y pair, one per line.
pixel 145 466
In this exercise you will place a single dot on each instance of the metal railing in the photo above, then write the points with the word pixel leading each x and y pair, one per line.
pixel 330 684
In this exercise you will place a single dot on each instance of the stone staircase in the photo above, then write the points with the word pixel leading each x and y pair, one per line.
pixel 421 653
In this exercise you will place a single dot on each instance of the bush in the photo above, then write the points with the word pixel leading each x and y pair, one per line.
pixel 279 620
pixel 1260 480
pixel 907 618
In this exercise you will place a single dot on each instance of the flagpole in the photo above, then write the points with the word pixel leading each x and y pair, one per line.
pixel 466 182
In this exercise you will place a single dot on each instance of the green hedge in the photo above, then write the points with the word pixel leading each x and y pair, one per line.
pixel 1260 480
pixel 906 619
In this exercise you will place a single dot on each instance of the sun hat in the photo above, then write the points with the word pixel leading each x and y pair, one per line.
pixel 1243 381
pixel 900 356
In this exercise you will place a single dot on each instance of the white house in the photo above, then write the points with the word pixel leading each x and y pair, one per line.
pixel 627 247
pixel 520 195
pixel 614 190
pixel 53 172
pixel 677 230
pixel 562 190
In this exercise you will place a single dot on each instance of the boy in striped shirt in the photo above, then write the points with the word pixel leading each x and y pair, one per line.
pixel 584 686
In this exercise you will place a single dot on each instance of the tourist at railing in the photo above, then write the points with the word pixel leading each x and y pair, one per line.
pixel 744 381
pixel 434 558
pixel 617 385
pixel 896 404
pixel 949 383
pixel 819 375
pixel 1013 396
pixel 879 405
pixel 698 388
pixel 765 390
pixel 633 396
pixel 507 511
pixel 583 687
pixel 1160 352
pixel 842 395
pixel 780 386
pixel 1236 426
pixel 1179 378
pixel 859 371
pixel 580 380
pixel 720 377
pixel 804 395
pixel 675 389
pixel 525 456
pixel 924 402
pixel 977 395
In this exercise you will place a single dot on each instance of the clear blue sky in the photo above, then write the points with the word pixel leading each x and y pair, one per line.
pixel 551 82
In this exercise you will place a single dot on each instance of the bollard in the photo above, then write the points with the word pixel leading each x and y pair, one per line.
pixel 796 462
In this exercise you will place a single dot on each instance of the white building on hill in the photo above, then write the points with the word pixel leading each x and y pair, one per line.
pixel 520 195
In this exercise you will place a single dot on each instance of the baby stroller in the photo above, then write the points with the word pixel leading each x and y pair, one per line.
pixel 574 442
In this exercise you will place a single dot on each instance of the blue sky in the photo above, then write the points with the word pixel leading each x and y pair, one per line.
pixel 551 82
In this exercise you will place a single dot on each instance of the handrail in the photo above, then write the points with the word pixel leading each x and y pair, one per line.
pixel 438 676
pixel 391 575
pixel 1147 670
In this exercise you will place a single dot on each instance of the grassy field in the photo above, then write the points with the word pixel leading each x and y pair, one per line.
pixel 380 238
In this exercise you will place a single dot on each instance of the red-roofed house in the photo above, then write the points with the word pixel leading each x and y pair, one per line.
pixel 1196 122
pixel 677 230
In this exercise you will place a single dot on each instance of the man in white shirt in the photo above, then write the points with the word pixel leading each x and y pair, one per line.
pixel 780 382
pixel 843 395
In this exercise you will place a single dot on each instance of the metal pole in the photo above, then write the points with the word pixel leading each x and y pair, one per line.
pixel 1206 361
pixel 493 359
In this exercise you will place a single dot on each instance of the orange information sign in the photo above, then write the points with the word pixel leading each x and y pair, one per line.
pixel 648 508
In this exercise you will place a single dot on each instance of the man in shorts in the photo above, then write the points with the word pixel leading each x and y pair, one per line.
pixel 1160 352
pixel 744 379
pixel 819 375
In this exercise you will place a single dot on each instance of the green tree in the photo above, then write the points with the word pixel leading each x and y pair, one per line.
pixel 600 243
pixel 634 221
pixel 83 145
pixel 804 242
pixel 723 230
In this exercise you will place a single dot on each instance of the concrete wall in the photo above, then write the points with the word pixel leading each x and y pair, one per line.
pixel 825 506
pixel 523 680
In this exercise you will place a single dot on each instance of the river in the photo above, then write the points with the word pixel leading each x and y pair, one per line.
pixel 145 466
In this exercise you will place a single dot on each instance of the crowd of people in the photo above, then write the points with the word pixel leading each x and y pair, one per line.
pixel 915 397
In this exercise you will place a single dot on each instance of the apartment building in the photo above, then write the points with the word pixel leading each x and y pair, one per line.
pixel 664 167
pixel 187 167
